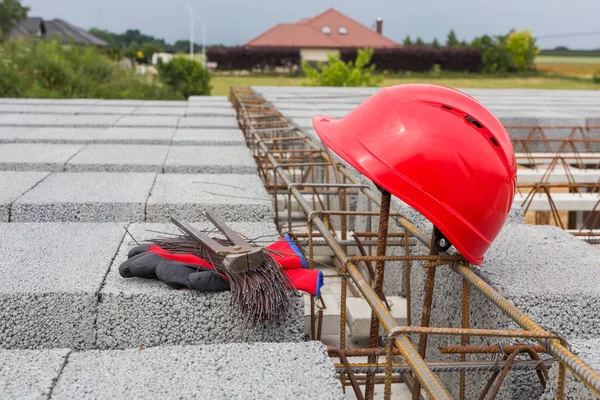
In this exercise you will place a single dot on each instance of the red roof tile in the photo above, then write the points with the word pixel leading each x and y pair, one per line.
pixel 308 33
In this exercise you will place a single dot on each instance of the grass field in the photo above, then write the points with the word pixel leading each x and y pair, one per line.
pixel 221 83
pixel 585 66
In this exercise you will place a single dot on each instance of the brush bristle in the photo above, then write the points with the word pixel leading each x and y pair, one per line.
pixel 261 295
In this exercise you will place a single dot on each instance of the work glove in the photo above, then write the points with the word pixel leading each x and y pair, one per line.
pixel 179 271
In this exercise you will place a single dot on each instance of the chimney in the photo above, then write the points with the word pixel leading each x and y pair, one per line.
pixel 379 25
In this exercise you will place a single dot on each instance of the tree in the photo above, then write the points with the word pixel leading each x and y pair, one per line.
pixel 435 44
pixel 12 13
pixel 451 39
pixel 407 41
pixel 419 42
pixel 185 76
pixel 521 46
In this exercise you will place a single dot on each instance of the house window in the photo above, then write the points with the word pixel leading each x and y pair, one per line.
pixel 342 30
pixel 326 30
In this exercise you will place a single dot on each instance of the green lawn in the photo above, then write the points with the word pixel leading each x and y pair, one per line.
pixel 221 84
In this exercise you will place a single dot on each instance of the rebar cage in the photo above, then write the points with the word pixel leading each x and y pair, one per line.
pixel 322 202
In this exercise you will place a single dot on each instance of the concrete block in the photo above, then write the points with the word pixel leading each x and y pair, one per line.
pixel 208 99
pixel 107 110
pixel 141 312
pixel 119 102
pixel 136 136
pixel 39 157
pixel 85 120
pixel 153 121
pixel 331 315
pixel 86 197
pixel 30 374
pixel 190 196
pixel 226 111
pixel 27 120
pixel 119 158
pixel 177 111
pixel 208 122
pixel 358 314
pixel 235 371
pixel 210 160
pixel 208 137
pixel 52 274
pixel 588 351
pixel 62 135
pixel 13 185
pixel 163 103
pixel 10 134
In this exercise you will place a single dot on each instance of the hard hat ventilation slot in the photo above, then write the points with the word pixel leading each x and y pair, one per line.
pixel 447 108
pixel 494 141
pixel 473 121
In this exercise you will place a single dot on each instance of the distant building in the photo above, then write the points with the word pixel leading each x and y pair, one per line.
pixel 163 57
pixel 57 28
pixel 325 33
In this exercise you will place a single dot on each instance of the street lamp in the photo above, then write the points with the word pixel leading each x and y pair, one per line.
pixel 203 41
pixel 191 10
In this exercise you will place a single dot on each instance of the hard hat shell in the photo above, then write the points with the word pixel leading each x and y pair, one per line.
pixel 437 149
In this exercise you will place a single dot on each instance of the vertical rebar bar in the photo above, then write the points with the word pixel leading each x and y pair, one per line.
pixel 464 339
pixel 384 214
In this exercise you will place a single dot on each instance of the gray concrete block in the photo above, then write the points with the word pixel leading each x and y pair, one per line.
pixel 226 111
pixel 107 110
pixel 85 120
pixel 86 197
pixel 208 99
pixel 136 136
pixel 163 103
pixel 52 274
pixel 119 158
pixel 137 312
pixel 62 135
pixel 190 196
pixel 177 111
pixel 208 137
pixel 13 185
pixel 210 160
pixel 30 374
pixel 235 371
pixel 38 157
pixel 588 351
pixel 10 134
pixel 165 121
pixel 208 122
pixel 119 103
pixel 27 120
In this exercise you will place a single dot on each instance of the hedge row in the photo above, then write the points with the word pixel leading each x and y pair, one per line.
pixel 418 59
pixel 243 58
pixel 422 59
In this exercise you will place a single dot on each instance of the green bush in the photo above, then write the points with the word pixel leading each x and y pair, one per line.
pixel 186 76
pixel 596 77
pixel 50 69
pixel 339 73
pixel 514 52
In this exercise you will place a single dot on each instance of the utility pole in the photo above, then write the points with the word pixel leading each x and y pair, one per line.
pixel 203 41
pixel 191 10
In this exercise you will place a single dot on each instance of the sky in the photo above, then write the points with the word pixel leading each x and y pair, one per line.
pixel 232 22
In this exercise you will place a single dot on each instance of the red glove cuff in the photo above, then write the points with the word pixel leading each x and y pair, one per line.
pixel 287 253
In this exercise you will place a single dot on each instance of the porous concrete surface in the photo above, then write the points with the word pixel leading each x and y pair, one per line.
pixel 136 312
pixel 149 121
pixel 136 135
pixel 30 374
pixel 177 111
pixel 208 137
pixel 13 185
pixel 231 197
pixel 589 352
pixel 62 135
pixel 194 111
pixel 213 160
pixel 10 134
pixel 51 276
pixel 28 120
pixel 208 122
pixel 85 120
pixel 86 197
pixel 232 371
pixel 40 157
pixel 119 158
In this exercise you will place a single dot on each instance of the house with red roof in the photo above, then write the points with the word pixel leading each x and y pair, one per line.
pixel 322 34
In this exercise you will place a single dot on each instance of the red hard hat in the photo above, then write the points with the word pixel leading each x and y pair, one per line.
pixel 438 150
